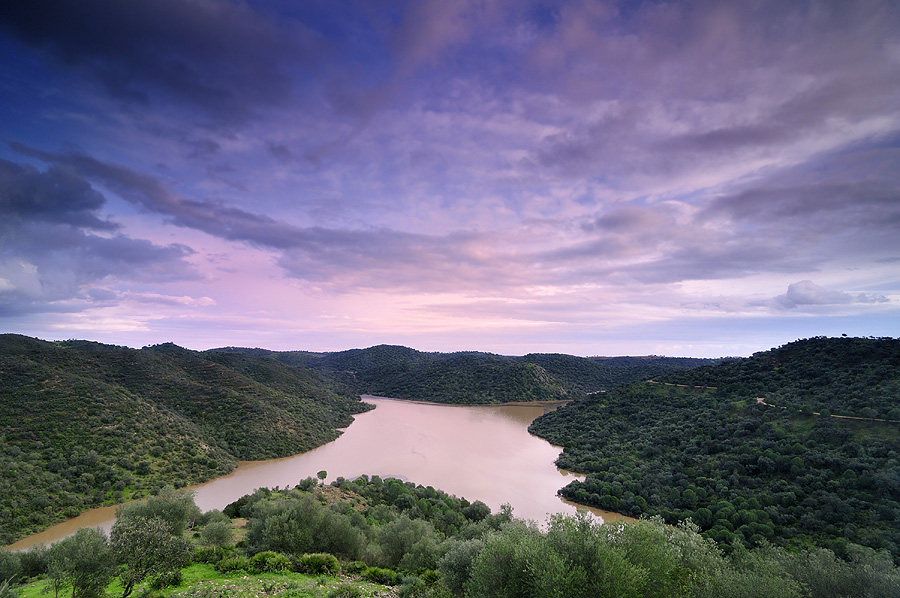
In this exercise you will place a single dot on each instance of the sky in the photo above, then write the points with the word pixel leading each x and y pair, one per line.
pixel 686 178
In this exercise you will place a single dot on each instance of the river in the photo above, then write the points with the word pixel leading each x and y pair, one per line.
pixel 479 452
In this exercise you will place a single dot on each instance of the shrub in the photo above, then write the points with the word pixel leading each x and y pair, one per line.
pixel 318 564
pixel 413 587
pixel 10 566
pixel 234 563
pixel 269 560
pixel 355 568
pixel 383 576
pixel 345 590
pixel 34 561
pixel 7 590
pixel 167 579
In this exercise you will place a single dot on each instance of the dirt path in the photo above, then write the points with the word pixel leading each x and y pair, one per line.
pixel 762 401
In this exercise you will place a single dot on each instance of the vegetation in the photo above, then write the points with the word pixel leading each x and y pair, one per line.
pixel 84 424
pixel 753 451
pixel 776 475
pixel 472 377
pixel 401 539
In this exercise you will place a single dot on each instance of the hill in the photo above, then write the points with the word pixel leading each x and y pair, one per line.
pixel 752 450
pixel 475 377
pixel 84 424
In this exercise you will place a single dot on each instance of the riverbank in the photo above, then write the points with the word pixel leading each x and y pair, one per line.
pixel 480 452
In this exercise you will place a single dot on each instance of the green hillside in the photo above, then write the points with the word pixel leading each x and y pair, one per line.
pixel 753 450
pixel 474 377
pixel 84 424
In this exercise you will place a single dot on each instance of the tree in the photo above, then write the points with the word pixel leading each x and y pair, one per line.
pixel 175 507
pixel 83 561
pixel 217 534
pixel 322 475
pixel 145 548
pixel 10 566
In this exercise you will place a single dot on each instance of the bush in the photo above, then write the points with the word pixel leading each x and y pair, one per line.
pixel 385 577
pixel 345 590
pixel 34 561
pixel 167 579
pixel 7 590
pixel 413 587
pixel 307 484
pixel 318 564
pixel 234 563
pixel 212 516
pixel 269 561
pixel 10 566
pixel 355 568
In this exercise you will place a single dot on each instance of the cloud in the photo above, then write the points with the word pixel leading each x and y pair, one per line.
pixel 56 247
pixel 807 293
pixel 57 195
pixel 666 94
pixel 557 161
pixel 368 257
pixel 225 58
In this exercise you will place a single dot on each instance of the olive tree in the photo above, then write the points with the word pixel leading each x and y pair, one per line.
pixel 175 507
pixel 82 561
pixel 217 534
pixel 145 548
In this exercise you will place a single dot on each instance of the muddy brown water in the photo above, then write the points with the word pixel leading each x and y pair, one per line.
pixel 480 452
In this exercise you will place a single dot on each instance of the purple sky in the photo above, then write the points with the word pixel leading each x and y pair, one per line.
pixel 596 178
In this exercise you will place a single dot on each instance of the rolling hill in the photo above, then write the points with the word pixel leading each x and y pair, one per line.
pixel 84 424
pixel 796 445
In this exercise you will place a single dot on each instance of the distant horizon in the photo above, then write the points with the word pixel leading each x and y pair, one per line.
pixel 609 177
pixel 306 350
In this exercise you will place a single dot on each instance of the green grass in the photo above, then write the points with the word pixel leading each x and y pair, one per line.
pixel 203 581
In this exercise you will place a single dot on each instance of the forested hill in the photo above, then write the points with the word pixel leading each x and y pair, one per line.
pixel 474 377
pixel 843 376
pixel 83 424
pixel 796 445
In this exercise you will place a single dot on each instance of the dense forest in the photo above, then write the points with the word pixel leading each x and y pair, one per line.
pixel 473 377
pixel 373 537
pixel 797 446
pixel 84 424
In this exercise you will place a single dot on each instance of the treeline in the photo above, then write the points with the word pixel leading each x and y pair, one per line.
pixel 84 424
pixel 746 473
pixel 425 543
pixel 474 377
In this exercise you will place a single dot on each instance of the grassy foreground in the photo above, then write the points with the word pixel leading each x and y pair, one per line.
pixel 201 580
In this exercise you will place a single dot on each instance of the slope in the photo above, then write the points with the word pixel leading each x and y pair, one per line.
pixel 84 424
pixel 744 471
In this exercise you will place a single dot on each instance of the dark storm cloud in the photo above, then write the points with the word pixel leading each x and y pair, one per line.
pixel 374 257
pixel 55 267
pixel 51 252
pixel 57 195
pixel 221 56
pixel 151 195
